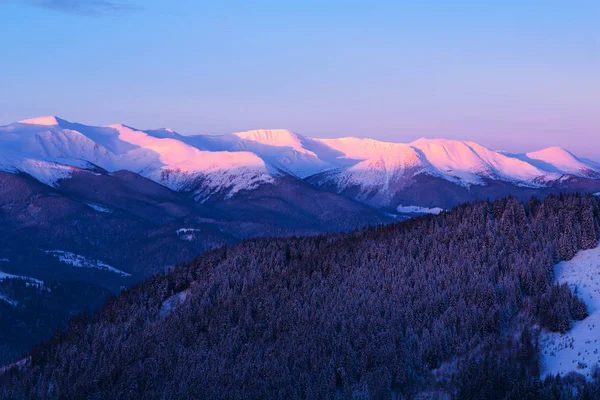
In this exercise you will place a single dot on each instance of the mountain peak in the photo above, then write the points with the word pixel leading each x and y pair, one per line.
pixel 556 152
pixel 47 121
pixel 273 137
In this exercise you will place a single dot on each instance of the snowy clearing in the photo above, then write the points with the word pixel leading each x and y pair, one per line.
pixel 80 261
pixel 172 302
pixel 579 349
pixel 419 210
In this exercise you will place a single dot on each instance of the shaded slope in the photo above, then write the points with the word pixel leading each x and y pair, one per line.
pixel 371 313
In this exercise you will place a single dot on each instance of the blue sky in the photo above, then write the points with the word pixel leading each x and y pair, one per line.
pixel 514 75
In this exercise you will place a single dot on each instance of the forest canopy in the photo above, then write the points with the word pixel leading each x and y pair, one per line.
pixel 448 304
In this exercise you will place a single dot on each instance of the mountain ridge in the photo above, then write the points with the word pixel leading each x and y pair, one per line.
pixel 226 164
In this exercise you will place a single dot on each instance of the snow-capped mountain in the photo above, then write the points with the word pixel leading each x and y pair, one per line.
pixel 560 161
pixel 382 174
pixel 49 148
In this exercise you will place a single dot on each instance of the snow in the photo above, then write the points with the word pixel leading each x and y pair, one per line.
pixel 28 280
pixel 4 275
pixel 50 152
pixel 560 161
pixel 46 121
pixel 280 149
pixel 381 166
pixel 80 261
pixel 467 162
pixel 181 163
pixel 9 301
pixel 274 137
pixel 579 349
pixel 17 364
pixel 99 208
pixel 49 148
pixel 47 172
pixel 184 231
pixel 169 304
pixel 187 234
pixel 419 210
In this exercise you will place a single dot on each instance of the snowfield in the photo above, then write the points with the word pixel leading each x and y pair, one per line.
pixel 419 210
pixel 50 148
pixel 80 261
pixel 579 349
pixel 100 208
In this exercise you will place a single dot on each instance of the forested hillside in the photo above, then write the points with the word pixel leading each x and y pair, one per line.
pixel 447 304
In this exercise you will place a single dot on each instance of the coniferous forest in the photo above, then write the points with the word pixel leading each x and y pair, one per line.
pixel 446 306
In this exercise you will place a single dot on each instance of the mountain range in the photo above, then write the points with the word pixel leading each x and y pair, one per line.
pixel 427 173
pixel 86 211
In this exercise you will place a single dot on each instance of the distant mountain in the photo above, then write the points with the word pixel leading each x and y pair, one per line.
pixel 98 209
pixel 426 173
pixel 89 210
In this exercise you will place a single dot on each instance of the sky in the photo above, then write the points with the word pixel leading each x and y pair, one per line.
pixel 511 75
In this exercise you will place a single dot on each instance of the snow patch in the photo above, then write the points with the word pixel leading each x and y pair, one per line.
pixel 99 208
pixel 4 276
pixel 579 349
pixel 187 234
pixel 13 303
pixel 169 304
pixel 17 364
pixel 419 210
pixel 80 261
pixel 29 281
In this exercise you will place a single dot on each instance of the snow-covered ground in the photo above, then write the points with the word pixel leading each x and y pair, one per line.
pixel 4 275
pixel 9 301
pixel 187 234
pixel 80 261
pixel 419 210
pixel 28 281
pixel 17 364
pixel 173 301
pixel 579 349
pixel 100 208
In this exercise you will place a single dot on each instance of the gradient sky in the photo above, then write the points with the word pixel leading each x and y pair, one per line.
pixel 513 75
